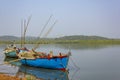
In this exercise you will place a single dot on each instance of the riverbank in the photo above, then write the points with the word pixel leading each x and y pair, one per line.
pixel 9 77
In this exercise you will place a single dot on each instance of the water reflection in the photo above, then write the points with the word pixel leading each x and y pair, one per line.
pixel 45 74
pixel 75 74
pixel 81 46
pixel 8 68
pixel 38 73
pixel 96 63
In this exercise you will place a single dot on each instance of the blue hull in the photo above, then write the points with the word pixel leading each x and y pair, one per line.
pixel 52 63
pixel 11 54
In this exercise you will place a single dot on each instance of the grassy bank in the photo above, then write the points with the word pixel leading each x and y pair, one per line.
pixel 90 41
pixel 86 42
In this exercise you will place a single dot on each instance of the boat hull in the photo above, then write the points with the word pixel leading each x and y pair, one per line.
pixel 52 63
pixel 11 54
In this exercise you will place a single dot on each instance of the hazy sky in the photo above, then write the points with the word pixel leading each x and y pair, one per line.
pixel 75 17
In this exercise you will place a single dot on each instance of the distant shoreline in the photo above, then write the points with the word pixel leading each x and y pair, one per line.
pixel 82 42
pixel 75 39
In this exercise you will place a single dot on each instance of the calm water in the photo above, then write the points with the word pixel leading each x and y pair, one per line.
pixel 86 63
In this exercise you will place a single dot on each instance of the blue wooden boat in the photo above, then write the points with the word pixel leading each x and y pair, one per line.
pixel 55 62
pixel 43 74
pixel 52 62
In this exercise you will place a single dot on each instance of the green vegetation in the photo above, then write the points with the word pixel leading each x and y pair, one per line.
pixel 83 40
pixel 89 41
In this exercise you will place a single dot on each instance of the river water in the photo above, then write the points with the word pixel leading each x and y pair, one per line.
pixel 85 63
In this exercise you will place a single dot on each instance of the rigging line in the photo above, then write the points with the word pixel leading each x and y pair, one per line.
pixel 49 30
pixel 45 26
pixel 74 63
pixel 69 48
pixel 73 75
pixel 28 21
pixel 26 26
pixel 70 65
pixel 37 43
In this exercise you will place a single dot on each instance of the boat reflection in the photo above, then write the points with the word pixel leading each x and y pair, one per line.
pixel 43 74
pixel 12 61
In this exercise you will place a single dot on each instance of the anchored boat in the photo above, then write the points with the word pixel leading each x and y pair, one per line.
pixel 10 51
pixel 42 60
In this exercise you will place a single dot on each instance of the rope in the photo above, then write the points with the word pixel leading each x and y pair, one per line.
pixel 74 63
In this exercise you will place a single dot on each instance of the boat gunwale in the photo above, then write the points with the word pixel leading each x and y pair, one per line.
pixel 44 57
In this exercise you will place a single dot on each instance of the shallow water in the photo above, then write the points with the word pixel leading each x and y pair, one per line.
pixel 86 63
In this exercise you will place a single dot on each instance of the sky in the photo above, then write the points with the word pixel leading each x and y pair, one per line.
pixel 74 17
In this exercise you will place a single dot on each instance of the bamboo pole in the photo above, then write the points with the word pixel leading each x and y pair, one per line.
pixel 21 33
pixel 49 30
pixel 45 26
pixel 37 43
pixel 25 29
